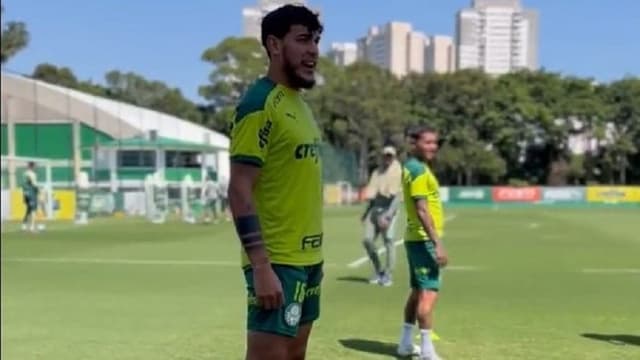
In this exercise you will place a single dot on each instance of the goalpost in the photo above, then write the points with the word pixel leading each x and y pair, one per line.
pixel 12 173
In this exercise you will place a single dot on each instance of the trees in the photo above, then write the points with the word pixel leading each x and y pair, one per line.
pixel 237 62
pixel 15 37
pixel 523 127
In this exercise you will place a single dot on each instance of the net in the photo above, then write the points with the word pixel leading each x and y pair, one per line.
pixel 340 175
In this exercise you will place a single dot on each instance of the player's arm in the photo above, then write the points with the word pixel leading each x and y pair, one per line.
pixel 248 151
pixel 371 191
pixel 419 193
pixel 243 181
pixel 393 207
pixel 427 222
pixel 425 218
pixel 396 179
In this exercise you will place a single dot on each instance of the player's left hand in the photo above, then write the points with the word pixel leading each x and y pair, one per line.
pixel 383 222
pixel 441 255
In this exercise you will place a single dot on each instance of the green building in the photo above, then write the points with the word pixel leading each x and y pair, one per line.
pixel 117 144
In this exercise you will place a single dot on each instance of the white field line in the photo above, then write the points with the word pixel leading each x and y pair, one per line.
pixel 612 271
pixel 48 228
pixel 358 262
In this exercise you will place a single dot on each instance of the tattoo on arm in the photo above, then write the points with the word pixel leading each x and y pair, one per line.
pixel 246 220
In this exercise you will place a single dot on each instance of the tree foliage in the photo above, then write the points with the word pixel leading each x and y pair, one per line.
pixel 130 88
pixel 522 128
pixel 14 38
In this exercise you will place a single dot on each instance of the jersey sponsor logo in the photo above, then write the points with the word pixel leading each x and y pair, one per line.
pixel 308 151
pixel 278 98
pixel 312 242
pixel 292 314
pixel 263 134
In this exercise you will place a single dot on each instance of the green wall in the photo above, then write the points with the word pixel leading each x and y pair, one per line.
pixel 52 141
pixel 55 142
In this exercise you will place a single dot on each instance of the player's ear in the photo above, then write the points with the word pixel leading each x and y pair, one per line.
pixel 274 45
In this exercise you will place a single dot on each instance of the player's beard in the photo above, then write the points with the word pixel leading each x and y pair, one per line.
pixel 295 80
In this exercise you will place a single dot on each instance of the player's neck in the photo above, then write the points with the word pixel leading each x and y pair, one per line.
pixel 422 159
pixel 280 78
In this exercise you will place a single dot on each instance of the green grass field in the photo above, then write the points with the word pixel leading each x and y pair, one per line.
pixel 529 283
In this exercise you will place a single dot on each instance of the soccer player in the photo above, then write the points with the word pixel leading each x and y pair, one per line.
pixel 211 192
pixel 380 216
pixel 223 191
pixel 425 251
pixel 275 190
pixel 30 192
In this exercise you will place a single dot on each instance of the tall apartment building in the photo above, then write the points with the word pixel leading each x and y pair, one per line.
pixel 440 54
pixel 252 15
pixel 343 54
pixel 394 46
pixel 497 36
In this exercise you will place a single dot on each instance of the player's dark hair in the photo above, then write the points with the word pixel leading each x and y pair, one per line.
pixel 416 132
pixel 31 164
pixel 279 21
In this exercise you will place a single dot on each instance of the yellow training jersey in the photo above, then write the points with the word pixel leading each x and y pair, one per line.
pixel 274 129
pixel 418 182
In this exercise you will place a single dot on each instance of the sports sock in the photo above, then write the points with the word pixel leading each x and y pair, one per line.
pixel 406 338
pixel 426 347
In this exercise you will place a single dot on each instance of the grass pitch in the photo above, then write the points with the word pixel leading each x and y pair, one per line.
pixel 534 283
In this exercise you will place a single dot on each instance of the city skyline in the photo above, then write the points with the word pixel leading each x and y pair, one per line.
pixel 398 47
pixel 164 42
pixel 497 37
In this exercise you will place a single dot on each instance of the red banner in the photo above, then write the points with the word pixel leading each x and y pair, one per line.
pixel 516 194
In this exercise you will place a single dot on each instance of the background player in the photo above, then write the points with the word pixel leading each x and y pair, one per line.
pixel 211 196
pixel 425 252
pixel 275 190
pixel 223 191
pixel 31 193
pixel 380 216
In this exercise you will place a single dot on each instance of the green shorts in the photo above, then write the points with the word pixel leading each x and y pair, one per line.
pixel 301 287
pixel 423 268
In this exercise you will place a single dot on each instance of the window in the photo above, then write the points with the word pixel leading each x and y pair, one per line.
pixel 183 159
pixel 137 158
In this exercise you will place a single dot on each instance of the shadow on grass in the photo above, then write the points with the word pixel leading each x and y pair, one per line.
pixel 617 339
pixel 371 347
pixel 356 279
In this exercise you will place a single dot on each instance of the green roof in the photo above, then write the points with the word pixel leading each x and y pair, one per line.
pixel 159 143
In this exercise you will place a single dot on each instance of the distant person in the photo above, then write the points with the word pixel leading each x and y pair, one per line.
pixel 211 197
pixel 379 218
pixel 425 252
pixel 223 198
pixel 275 190
pixel 31 193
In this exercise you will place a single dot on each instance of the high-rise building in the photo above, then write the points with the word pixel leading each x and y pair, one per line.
pixel 497 36
pixel 440 54
pixel 343 54
pixel 252 15
pixel 393 46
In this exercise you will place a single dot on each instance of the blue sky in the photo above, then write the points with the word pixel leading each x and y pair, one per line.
pixel 163 40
